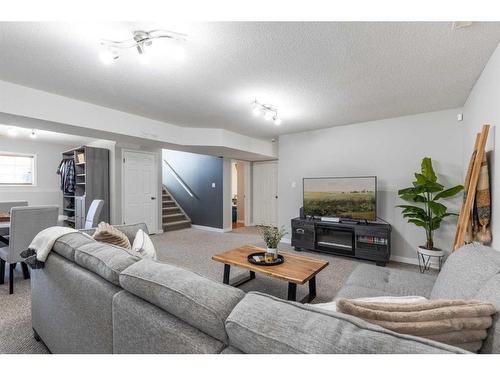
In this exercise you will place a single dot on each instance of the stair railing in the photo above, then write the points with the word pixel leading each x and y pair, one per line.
pixel 179 179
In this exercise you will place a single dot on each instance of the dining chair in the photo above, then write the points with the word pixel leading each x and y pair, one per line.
pixel 25 223
pixel 5 206
pixel 94 213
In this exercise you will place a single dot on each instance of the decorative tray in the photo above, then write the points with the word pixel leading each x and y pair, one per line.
pixel 261 262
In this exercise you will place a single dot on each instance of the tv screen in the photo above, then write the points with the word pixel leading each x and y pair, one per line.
pixel 343 197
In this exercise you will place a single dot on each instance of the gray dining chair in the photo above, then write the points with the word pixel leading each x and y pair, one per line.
pixel 92 218
pixel 25 223
pixel 5 206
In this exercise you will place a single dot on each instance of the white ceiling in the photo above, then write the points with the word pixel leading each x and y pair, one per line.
pixel 43 136
pixel 317 74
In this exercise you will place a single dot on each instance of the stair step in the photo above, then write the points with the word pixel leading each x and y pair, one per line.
pixel 169 204
pixel 175 225
pixel 170 218
pixel 172 210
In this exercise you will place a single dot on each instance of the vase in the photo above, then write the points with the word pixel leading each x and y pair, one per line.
pixel 273 251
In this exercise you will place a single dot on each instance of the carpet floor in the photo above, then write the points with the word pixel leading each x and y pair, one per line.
pixel 188 248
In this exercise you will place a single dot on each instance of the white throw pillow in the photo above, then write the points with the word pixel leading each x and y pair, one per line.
pixel 332 306
pixel 143 245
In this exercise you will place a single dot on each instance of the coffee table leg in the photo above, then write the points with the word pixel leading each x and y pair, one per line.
pixel 312 289
pixel 227 271
pixel 292 291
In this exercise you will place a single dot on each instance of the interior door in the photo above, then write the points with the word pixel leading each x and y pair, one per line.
pixel 140 189
pixel 265 193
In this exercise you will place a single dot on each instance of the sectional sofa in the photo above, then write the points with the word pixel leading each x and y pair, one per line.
pixel 96 298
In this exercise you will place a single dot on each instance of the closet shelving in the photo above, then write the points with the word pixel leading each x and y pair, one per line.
pixel 91 182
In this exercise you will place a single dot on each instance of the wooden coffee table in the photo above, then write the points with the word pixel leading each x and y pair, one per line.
pixel 297 269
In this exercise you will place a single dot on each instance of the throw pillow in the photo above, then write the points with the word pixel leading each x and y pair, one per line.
pixel 143 245
pixel 455 322
pixel 109 234
pixel 332 306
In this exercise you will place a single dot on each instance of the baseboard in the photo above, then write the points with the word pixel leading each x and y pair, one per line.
pixel 210 229
pixel 400 259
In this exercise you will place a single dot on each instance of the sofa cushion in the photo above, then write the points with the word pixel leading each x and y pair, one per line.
pixel 106 260
pixel 490 292
pixel 265 324
pixel 66 245
pixel 465 272
pixel 372 281
pixel 203 303
pixel 140 327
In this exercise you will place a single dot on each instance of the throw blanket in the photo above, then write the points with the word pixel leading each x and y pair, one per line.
pixel 478 227
pixel 454 322
pixel 42 244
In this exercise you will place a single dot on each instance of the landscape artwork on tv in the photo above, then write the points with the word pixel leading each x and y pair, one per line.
pixel 343 197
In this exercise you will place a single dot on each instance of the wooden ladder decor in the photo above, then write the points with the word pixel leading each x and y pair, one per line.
pixel 470 186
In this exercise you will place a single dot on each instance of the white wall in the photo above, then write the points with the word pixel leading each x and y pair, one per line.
pixel 25 101
pixel 483 107
pixel 392 150
pixel 48 156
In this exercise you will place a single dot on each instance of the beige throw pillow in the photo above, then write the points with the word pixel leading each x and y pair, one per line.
pixel 455 322
pixel 109 234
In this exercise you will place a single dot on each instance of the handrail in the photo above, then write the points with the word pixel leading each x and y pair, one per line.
pixel 179 179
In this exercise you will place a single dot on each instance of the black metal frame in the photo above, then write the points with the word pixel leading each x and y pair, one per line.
pixel 424 264
pixel 292 287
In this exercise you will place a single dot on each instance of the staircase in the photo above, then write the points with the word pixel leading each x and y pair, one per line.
pixel 174 216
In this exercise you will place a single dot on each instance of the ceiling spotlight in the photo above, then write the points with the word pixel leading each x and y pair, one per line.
pixel 141 40
pixel 270 112
pixel 12 132
pixel 33 134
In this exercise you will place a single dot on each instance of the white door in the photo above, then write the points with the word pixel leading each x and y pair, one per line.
pixel 265 193
pixel 140 189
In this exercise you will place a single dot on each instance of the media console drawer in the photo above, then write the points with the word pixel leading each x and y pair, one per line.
pixel 302 234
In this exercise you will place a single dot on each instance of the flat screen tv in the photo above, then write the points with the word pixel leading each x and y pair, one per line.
pixel 352 198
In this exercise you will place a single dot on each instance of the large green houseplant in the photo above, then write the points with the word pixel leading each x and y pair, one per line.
pixel 425 210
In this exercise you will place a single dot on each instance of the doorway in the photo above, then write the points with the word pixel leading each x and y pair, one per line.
pixel 240 180
pixel 140 189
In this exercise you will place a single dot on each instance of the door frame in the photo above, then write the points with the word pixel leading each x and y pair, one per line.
pixel 158 187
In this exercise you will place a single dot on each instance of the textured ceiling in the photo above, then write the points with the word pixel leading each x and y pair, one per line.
pixel 317 74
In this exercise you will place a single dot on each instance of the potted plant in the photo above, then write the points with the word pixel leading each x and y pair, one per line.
pixel 272 237
pixel 426 211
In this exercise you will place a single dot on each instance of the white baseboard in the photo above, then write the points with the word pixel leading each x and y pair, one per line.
pixel 210 229
pixel 400 259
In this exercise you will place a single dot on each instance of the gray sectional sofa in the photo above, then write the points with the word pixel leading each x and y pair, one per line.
pixel 96 298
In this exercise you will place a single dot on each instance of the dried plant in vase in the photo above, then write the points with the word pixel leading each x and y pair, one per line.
pixel 272 236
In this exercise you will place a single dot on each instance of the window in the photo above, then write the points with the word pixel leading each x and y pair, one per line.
pixel 17 169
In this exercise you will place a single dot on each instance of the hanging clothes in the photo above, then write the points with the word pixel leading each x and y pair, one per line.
pixel 66 170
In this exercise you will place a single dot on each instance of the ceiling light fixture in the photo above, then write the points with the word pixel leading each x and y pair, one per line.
pixel 270 112
pixel 141 40
pixel 33 134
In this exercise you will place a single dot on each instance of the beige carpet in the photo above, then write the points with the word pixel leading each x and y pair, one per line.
pixel 191 249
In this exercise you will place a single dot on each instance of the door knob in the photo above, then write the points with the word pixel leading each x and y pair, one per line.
pixel 153 198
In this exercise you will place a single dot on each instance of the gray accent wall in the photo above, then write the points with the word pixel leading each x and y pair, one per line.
pixel 198 172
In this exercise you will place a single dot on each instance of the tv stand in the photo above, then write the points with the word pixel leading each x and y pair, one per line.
pixel 363 240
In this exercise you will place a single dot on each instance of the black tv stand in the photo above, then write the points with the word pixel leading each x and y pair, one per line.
pixel 363 240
